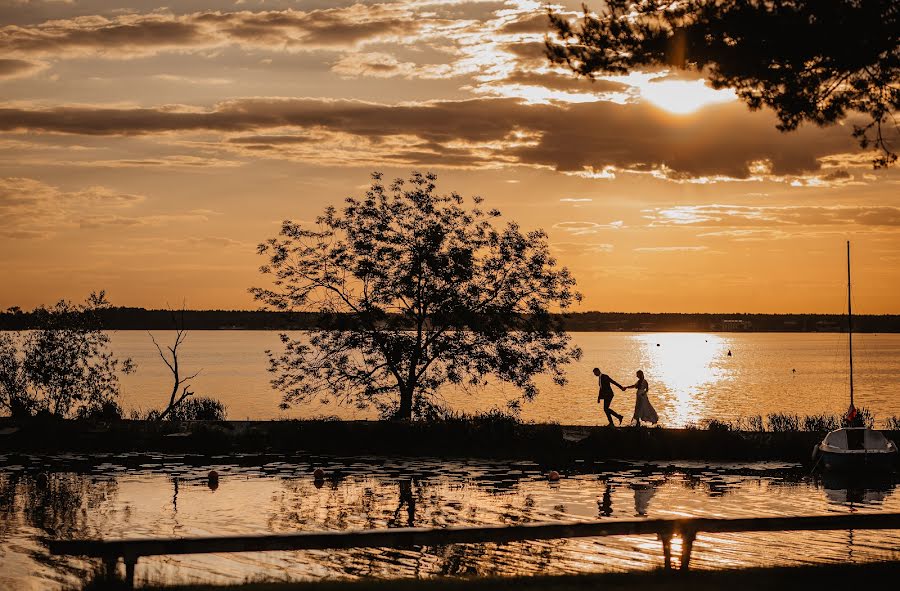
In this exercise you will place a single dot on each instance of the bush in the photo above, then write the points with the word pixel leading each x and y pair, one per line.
pixel 755 423
pixel 717 425
pixel 892 423
pixel 821 422
pixel 202 408
pixel 493 416
pixel 108 410
pixel 780 422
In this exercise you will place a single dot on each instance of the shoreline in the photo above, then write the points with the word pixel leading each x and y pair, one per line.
pixel 486 439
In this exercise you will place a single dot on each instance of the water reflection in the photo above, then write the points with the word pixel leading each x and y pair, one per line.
pixel 113 497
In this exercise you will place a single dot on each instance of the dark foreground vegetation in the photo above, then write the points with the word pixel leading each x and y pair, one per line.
pixel 121 318
pixel 483 438
pixel 832 576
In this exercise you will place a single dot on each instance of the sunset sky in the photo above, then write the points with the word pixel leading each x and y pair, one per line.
pixel 146 150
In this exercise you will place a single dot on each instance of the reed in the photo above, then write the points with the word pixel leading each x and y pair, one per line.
pixel 782 422
pixel 820 422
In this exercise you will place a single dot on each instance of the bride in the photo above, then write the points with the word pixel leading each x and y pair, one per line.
pixel 643 410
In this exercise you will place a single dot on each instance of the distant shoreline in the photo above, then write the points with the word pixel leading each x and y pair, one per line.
pixel 142 319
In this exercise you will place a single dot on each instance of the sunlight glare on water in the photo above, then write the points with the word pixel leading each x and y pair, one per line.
pixel 686 365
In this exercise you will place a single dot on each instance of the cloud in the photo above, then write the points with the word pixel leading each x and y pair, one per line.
pixel 582 228
pixel 581 248
pixel 383 65
pixel 11 68
pixel 32 209
pixel 737 216
pixel 718 142
pixel 671 249
pixel 131 35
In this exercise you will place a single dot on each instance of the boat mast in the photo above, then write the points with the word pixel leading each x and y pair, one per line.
pixel 850 322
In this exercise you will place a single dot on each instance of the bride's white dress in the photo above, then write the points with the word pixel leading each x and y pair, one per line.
pixel 643 410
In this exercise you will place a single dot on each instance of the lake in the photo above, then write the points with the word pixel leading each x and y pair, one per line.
pixel 692 377
pixel 127 495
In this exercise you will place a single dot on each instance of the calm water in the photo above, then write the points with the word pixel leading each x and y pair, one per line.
pixel 692 378
pixel 135 496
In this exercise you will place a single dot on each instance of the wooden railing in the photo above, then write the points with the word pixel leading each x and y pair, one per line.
pixel 110 551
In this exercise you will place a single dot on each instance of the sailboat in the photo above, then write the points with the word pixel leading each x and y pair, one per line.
pixel 855 448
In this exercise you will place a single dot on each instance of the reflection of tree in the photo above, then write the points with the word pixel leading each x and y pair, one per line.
pixel 417 502
pixel 808 60
pixel 62 505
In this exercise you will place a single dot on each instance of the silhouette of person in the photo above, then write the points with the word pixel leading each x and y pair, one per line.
pixel 643 410
pixel 606 395
pixel 604 505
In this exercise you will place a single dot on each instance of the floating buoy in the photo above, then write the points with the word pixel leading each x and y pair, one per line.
pixel 212 480
pixel 553 476
pixel 319 474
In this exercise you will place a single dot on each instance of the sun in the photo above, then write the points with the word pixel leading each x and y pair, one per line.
pixel 684 96
pixel 680 97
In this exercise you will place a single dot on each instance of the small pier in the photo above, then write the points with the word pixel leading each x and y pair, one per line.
pixel 130 550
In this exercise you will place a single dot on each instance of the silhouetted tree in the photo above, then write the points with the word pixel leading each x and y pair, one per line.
pixel 416 290
pixel 179 381
pixel 64 366
pixel 809 60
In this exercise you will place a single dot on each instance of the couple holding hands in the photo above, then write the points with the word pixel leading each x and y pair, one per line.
pixel 643 410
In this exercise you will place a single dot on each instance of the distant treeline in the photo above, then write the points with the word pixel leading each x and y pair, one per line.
pixel 142 319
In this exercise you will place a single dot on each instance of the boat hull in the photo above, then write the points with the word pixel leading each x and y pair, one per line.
pixel 858 462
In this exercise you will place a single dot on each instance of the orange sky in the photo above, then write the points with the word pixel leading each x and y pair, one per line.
pixel 147 150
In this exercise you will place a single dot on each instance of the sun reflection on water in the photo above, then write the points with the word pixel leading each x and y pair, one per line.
pixel 681 369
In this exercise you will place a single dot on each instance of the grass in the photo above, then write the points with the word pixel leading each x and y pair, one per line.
pixel 792 423
pixel 830 576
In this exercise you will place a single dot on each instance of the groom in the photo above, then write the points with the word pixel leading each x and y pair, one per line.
pixel 606 395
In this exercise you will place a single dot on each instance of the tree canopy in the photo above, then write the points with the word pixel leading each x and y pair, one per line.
pixel 416 290
pixel 808 60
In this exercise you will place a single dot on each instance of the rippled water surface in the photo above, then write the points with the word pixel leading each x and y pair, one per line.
pixel 691 376
pixel 128 495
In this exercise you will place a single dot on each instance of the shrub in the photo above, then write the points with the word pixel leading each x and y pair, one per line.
pixel 820 422
pixel 108 410
pixel 755 423
pixel 202 408
pixel 492 416
pixel 717 425
pixel 781 422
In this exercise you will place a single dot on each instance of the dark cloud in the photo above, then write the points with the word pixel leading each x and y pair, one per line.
pixel 139 34
pixel 528 50
pixel 16 68
pixel 563 82
pixel 536 22
pixel 717 141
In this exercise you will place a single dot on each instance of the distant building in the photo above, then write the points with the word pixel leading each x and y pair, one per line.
pixel 828 326
pixel 735 325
